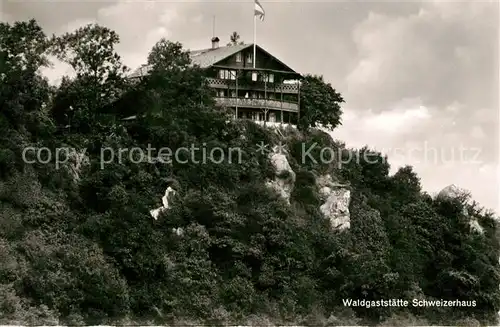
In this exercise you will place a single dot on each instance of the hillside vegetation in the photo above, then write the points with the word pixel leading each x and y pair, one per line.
pixel 78 244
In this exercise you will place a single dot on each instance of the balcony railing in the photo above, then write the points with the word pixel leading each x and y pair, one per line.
pixel 274 87
pixel 257 103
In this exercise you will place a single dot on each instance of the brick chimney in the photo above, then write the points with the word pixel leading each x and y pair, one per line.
pixel 215 42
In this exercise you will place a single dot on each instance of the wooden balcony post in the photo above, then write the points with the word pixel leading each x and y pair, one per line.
pixel 281 104
pixel 265 99
pixel 236 106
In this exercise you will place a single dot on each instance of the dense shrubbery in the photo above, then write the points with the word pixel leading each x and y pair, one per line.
pixel 84 249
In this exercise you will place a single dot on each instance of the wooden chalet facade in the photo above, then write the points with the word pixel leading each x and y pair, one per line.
pixel 268 92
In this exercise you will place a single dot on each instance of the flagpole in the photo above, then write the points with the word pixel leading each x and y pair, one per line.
pixel 254 37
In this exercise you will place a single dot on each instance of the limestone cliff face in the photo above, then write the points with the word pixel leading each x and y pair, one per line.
pixel 451 192
pixel 77 160
pixel 166 205
pixel 284 181
pixel 337 198
pixel 166 201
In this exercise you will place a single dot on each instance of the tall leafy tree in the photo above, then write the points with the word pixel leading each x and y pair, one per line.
pixel 90 51
pixel 23 51
pixel 405 186
pixel 319 104
pixel 168 55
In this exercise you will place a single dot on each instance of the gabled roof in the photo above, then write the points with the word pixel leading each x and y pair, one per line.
pixel 208 57
pixel 281 62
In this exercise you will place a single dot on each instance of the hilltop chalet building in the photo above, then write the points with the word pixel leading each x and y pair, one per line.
pixel 268 92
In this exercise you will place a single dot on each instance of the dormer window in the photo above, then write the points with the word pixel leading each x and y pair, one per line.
pixel 249 58
pixel 239 57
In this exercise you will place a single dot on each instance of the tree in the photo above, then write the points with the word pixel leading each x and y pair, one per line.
pixel 174 97
pixel 168 55
pixel 23 50
pixel 23 46
pixel 234 39
pixel 405 186
pixel 90 51
pixel 319 104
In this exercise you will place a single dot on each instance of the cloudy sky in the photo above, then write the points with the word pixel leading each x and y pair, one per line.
pixel 420 78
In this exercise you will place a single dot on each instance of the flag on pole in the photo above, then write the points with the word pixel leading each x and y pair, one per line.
pixel 259 11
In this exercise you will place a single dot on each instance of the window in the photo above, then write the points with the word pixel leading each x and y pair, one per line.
pixel 254 76
pixel 269 78
pixel 239 57
pixel 227 74
pixel 249 58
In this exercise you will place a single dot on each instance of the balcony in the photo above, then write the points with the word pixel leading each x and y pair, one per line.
pixel 257 104
pixel 274 87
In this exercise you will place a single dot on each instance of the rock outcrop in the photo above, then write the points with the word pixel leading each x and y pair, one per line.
pixel 476 226
pixel 284 181
pixel 453 192
pixel 155 213
pixel 77 160
pixel 337 198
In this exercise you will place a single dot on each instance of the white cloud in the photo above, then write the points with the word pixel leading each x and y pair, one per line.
pixel 439 158
pixel 398 121
pixel 437 54
pixel 402 118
